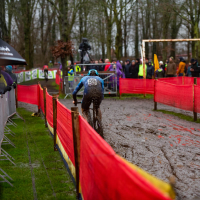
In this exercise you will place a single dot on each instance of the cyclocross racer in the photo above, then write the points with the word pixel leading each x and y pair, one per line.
pixel 93 92
pixel 45 68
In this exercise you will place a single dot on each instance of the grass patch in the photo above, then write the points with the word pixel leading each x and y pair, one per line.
pixel 129 96
pixel 50 175
pixel 179 115
pixel 31 82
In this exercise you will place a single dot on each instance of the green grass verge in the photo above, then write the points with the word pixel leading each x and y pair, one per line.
pixel 51 178
pixel 179 115
pixel 31 82
pixel 129 96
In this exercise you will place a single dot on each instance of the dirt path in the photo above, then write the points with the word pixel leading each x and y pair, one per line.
pixel 161 144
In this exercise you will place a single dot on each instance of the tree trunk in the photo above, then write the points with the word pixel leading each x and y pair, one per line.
pixel 136 32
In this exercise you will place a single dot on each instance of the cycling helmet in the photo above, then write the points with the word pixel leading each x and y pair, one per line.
pixel 9 68
pixel 93 71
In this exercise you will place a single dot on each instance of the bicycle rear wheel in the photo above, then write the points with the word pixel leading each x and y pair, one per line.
pixel 98 127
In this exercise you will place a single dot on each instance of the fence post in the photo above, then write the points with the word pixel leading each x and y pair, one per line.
pixel 76 141
pixel 44 94
pixel 16 99
pixel 155 103
pixel 55 119
pixel 195 113
pixel 38 88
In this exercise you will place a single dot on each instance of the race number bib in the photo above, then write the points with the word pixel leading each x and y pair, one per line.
pixel 92 81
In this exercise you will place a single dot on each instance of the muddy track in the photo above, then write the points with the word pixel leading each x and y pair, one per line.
pixel 161 144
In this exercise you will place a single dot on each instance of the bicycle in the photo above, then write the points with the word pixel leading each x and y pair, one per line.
pixel 97 122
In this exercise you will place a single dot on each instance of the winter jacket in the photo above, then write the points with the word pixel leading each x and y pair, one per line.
pixel 196 71
pixel 150 71
pixel 141 70
pixel 107 66
pixel 7 77
pixel 181 67
pixel 160 73
pixel 171 68
pixel 127 68
pixel 13 76
pixel 134 69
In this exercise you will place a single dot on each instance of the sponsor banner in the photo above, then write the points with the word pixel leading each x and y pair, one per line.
pixel 34 74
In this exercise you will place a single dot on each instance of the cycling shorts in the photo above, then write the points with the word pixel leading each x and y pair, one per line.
pixel 93 93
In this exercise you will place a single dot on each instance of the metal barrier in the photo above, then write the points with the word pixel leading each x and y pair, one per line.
pixel 109 77
pixel 7 109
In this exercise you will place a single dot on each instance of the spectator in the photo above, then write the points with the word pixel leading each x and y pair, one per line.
pixel 96 65
pixel 119 67
pixel 117 72
pixel 77 67
pixel 50 64
pixel 181 67
pixel 123 66
pixel 162 66
pixel 160 72
pixel 7 77
pixel 134 70
pixel 140 73
pixel 108 64
pixel 12 75
pixel 101 67
pixel 127 67
pixel 195 69
pixel 189 74
pixel 150 70
pixel 171 68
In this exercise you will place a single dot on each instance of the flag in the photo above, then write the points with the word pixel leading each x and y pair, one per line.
pixel 156 64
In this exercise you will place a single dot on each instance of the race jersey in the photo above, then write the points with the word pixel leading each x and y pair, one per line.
pixel 45 67
pixel 89 81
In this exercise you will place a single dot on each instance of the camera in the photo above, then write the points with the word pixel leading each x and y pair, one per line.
pixel 84 46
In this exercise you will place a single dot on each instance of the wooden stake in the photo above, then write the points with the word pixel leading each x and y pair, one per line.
pixel 39 96
pixel 195 113
pixel 55 119
pixel 155 103
pixel 76 141
pixel 44 95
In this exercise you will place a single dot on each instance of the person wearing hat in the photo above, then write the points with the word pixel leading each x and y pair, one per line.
pixel 50 64
pixel 171 68
pixel 134 69
pixel 12 75
pixel 127 68
pixel 181 67
pixel 150 70
pixel 195 68
pixel 160 72
pixel 93 91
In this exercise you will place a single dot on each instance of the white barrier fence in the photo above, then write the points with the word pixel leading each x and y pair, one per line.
pixel 7 110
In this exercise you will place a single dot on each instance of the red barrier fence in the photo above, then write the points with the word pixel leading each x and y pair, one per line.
pixel 41 99
pixel 103 174
pixel 49 109
pixel 136 86
pixel 197 98
pixel 28 94
pixel 64 130
pixel 179 96
pixel 57 79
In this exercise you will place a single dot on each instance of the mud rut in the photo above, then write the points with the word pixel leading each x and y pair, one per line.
pixel 161 144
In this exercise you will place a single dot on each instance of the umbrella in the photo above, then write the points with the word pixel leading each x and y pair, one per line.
pixel 9 56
